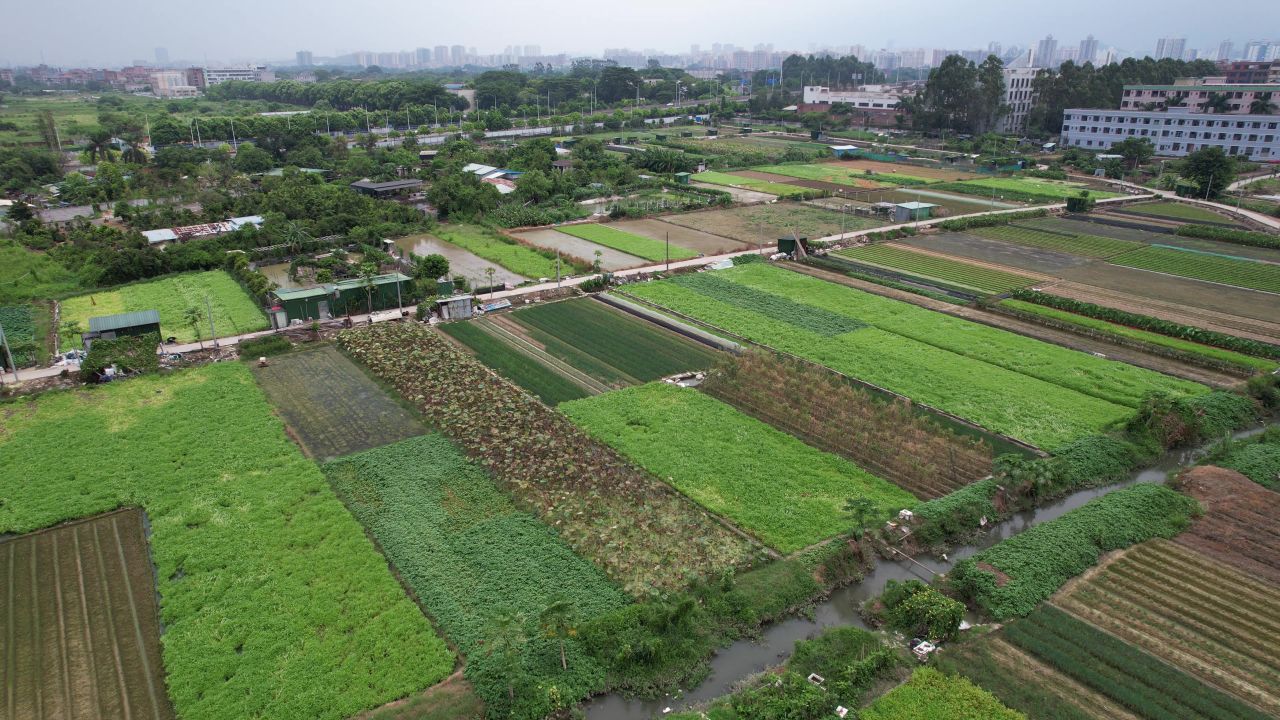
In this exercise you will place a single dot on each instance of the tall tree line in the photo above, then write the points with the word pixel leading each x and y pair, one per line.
pixel 1086 86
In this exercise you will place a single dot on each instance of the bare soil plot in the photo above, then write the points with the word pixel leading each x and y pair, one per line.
pixel 1241 522
pixel 330 407
pixel 696 240
pixel 610 259
pixel 1212 622
pixel 885 168
pixel 461 262
pixel 79 623
pixel 767 223
pixel 740 195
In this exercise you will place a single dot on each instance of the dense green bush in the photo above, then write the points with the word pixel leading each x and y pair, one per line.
pixel 264 346
pixel 977 221
pixel 1172 421
pixel 956 514
pixel 1229 235
pixel 1257 458
pixel 131 353
pixel 1156 325
pixel 914 608
pixel 1009 579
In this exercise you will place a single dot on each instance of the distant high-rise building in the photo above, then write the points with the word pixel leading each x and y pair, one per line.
pixel 304 58
pixel 1225 49
pixel 995 48
pixel 695 49
pixel 1067 54
pixel 162 56
pixel 533 51
pixel 458 55
pixel 1088 50
pixel 1170 48
pixel 440 55
pixel 422 57
pixel 1046 51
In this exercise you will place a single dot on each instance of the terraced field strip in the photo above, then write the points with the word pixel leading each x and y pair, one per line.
pixel 1085 245
pixel 1177 211
pixel 1241 523
pixel 510 362
pixel 841 175
pixel 942 269
pixel 1203 266
pixel 1217 624
pixel 79 622
pixel 630 243
pixel 1237 325
pixel 738 181
pixel 614 347
pixel 512 333
pixel 330 406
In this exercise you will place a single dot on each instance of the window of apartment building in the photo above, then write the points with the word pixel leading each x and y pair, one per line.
pixel 1236 136
pixel 1253 138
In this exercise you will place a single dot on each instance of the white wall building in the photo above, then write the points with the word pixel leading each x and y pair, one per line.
pixel 251 73
pixel 172 84
pixel 867 96
pixel 1175 132
pixel 1019 96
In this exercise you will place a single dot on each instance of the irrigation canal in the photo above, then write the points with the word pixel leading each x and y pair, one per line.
pixel 744 658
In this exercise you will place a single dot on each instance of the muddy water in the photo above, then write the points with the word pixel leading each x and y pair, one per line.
pixel 744 658
pixel 278 273
pixel 461 262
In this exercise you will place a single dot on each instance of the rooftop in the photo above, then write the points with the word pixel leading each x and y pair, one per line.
pixel 124 320
pixel 389 185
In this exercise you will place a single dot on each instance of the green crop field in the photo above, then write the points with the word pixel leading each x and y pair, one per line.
pixel 548 385
pixel 630 243
pixel 766 223
pixel 840 175
pixel 788 494
pixel 234 312
pixel 19 329
pixel 332 407
pixel 764 186
pixel 1033 190
pixel 1085 245
pixel 1178 211
pixel 1202 266
pixel 273 601
pixel 470 555
pixel 930 695
pixel 1133 679
pixel 519 259
pixel 1124 331
pixel 610 345
pixel 27 275
pixel 1039 393
pixel 930 267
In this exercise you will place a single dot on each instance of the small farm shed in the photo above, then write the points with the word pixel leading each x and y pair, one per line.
pixel 333 299
pixel 683 178
pixel 841 151
pixel 457 307
pixel 386 189
pixel 110 327
pixel 912 211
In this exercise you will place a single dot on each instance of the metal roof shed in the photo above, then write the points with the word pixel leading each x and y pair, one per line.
pixel 110 327
pixel 912 211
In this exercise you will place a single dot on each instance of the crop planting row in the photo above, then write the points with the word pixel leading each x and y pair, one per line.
pixel 1131 678
pixel 610 345
pixel 1009 579
pixel 1241 521
pixel 764 186
pixel 788 494
pixel 1023 189
pixel 234 312
pixel 884 436
pixel 331 407
pixel 1036 392
pixel 639 531
pixel 1209 621
pixel 470 556
pixel 1240 272
pixel 630 243
pixel 549 386
pixel 273 601
pixel 813 319
pixel 929 267
pixel 1124 331
pixel 1085 245
pixel 1177 211
pixel 931 695
pixel 841 175
pixel 78 623
pixel 19 328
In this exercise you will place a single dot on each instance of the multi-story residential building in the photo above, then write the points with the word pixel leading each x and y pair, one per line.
pixel 304 58
pixel 1019 96
pixel 6 75
pixel 196 78
pixel 1088 50
pixel 172 84
pixel 440 55
pixel 1046 51
pixel 1175 132
pixel 1243 72
pixel 1194 94
pixel 873 104
pixel 1225 50
pixel 251 73
pixel 458 55
pixel 1170 48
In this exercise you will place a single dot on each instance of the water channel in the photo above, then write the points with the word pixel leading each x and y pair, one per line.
pixel 735 663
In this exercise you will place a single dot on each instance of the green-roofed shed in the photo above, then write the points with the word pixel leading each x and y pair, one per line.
pixel 110 327
pixel 335 299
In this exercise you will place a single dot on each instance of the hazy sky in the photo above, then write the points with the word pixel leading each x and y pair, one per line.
pixel 98 32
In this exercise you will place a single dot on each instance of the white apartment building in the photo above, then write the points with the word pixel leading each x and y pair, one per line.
pixel 250 73
pixel 1019 96
pixel 866 96
pixel 1175 132
pixel 172 84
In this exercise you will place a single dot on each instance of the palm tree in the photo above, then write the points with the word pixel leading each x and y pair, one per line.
pixel 133 152
pixel 1262 105
pixel 368 271
pixel 193 316
pixel 98 146
pixel 489 272
pixel 1217 103
pixel 559 621
pixel 507 639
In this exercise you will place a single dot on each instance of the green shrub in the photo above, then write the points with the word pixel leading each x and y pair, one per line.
pixel 977 221
pixel 131 353
pixel 1229 235
pixel 915 608
pixel 265 346
pixel 957 513
pixel 1173 421
pixel 1033 565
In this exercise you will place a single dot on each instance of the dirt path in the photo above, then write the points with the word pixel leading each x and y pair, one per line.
pixel 1070 340
pixel 1254 329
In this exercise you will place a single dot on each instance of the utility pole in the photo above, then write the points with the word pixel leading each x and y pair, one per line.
pixel 557 269
pixel 668 251
pixel 209 309
pixel 4 340
pixel 234 144
pixel 1207 186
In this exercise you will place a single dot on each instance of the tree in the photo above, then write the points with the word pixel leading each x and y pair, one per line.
pixel 861 510
pixel 192 316
pixel 71 327
pixel 430 267
pixel 1211 169
pixel 489 273
pixel 98 146
pixel 506 639
pixel 988 99
pixel 368 271
pixel 948 98
pixel 253 159
pixel 559 621
pixel 1135 150
pixel 1217 103
pixel 1262 105
pixel 20 212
